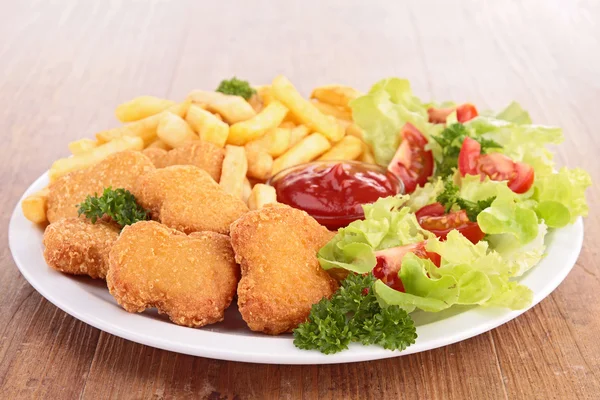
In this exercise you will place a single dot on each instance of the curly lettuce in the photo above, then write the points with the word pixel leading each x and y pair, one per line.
pixel 387 224
pixel 469 274
pixel 382 113
pixel 561 196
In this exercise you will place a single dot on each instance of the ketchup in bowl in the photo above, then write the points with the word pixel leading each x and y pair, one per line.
pixel 333 192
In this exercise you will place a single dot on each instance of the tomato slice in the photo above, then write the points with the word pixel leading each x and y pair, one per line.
pixel 522 179
pixel 441 224
pixel 497 166
pixel 439 115
pixel 389 262
pixel 466 112
pixel 432 209
pixel 412 163
pixel 468 157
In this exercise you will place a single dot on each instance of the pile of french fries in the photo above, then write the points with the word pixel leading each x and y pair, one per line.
pixel 276 129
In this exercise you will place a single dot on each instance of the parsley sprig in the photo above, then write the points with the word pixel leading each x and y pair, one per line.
pixel 450 196
pixel 450 140
pixel 118 204
pixel 236 87
pixel 354 315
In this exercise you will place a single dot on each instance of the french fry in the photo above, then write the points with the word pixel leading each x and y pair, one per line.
pixel 159 144
pixel 349 148
pixel 82 146
pixel 233 172
pixel 232 108
pixel 275 142
pixel 141 107
pixel 144 128
pixel 344 123
pixel 207 125
pixel 336 95
pixel 298 133
pixel 256 103
pixel 306 150
pixel 334 111
pixel 354 130
pixel 367 155
pixel 34 206
pixel 246 131
pixel 247 190
pixel 287 124
pixel 265 94
pixel 260 164
pixel 304 110
pixel 63 166
pixel 261 195
pixel 174 131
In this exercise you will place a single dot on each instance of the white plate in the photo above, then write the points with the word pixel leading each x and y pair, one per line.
pixel 88 300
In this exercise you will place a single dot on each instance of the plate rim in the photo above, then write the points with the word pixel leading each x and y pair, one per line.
pixel 356 353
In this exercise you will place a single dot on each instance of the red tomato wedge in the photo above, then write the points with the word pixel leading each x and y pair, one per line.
pixel 497 166
pixel 464 112
pixel 468 158
pixel 412 163
pixel 439 115
pixel 389 262
pixel 434 219
pixel 434 209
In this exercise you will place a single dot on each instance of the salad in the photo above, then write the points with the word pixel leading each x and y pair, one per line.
pixel 481 194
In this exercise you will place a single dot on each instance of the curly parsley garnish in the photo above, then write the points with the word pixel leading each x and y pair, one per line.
pixel 118 204
pixel 449 197
pixel 236 87
pixel 354 315
pixel 451 139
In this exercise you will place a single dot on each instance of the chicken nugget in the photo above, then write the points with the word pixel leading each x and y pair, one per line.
pixel 157 156
pixel 191 278
pixel 200 153
pixel 281 276
pixel 120 170
pixel 186 198
pixel 78 247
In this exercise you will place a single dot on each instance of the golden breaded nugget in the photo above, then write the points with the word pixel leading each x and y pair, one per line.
pixel 202 154
pixel 191 278
pixel 120 170
pixel 78 247
pixel 157 156
pixel 281 276
pixel 186 198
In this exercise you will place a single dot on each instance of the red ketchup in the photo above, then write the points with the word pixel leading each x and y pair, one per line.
pixel 332 192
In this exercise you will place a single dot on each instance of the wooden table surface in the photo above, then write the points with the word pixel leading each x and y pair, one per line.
pixel 65 65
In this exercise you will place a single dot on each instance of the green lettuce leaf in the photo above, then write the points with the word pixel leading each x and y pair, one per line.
pixel 387 224
pixel 520 257
pixel 472 188
pixel 508 214
pixel 521 142
pixel 382 113
pixel 426 194
pixel 483 276
pixel 515 113
pixel 509 294
pixel 561 196
pixel 469 274
pixel 428 294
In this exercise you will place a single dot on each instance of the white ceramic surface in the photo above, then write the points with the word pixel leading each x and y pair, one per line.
pixel 88 300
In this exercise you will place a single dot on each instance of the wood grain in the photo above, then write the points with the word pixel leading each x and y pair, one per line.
pixel 65 66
